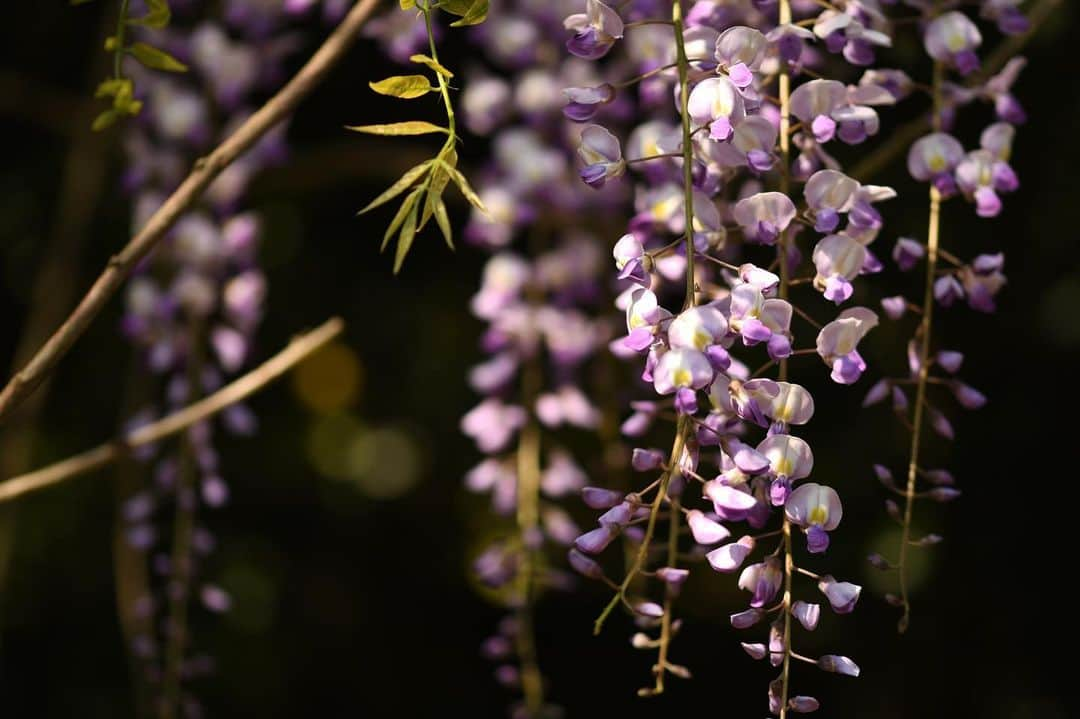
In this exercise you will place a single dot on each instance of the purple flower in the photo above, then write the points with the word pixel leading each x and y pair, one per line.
pixel 730 557
pixel 838 664
pixel 817 510
pixel 838 260
pixel 595 30
pixel 980 176
pixel 842 596
pixel 953 38
pixel 764 216
pixel 600 152
pixel 705 530
pixel 491 424
pixel 762 580
pixel 697 328
pixel 838 341
pixel 806 613
pixel 933 158
pixel 582 103
pixel 814 104
pixel 716 103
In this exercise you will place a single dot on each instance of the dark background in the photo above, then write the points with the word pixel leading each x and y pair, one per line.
pixel 351 603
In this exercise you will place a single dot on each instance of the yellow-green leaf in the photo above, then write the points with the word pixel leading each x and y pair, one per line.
pixel 436 184
pixel 465 187
pixel 156 59
pixel 157 15
pixel 398 187
pixel 443 221
pixel 404 86
pixel 413 127
pixel 475 15
pixel 104 120
pixel 405 239
pixel 433 64
pixel 406 206
pixel 113 87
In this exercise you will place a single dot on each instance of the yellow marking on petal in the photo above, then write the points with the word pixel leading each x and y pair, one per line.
pixel 819 515
pixel 783 466
pixel 681 377
pixel 936 163
pixel 702 339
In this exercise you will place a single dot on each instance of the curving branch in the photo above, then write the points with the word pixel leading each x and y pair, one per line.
pixel 205 171
pixel 295 352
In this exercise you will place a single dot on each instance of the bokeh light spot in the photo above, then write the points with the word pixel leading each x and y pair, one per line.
pixel 330 380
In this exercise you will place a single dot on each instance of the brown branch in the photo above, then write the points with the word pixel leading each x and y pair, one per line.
pixel 252 382
pixel 205 171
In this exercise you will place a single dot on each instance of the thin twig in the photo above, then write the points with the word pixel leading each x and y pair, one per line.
pixel 204 172
pixel 924 332
pixel 252 382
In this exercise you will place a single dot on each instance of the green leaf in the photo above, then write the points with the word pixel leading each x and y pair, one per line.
pixel 413 127
pixel 433 64
pixel 398 187
pixel 156 59
pixel 405 239
pixel 157 15
pixel 408 204
pixel 404 86
pixel 443 221
pixel 475 15
pixel 113 87
pixel 465 187
pixel 437 182
pixel 106 119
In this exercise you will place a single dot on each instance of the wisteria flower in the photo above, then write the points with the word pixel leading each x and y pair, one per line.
pixel 838 341
pixel 829 194
pixel 697 328
pixel 838 259
pixel 817 510
pixel 681 371
pixel 762 580
pixel 953 38
pixel 757 319
pixel 764 216
pixel 933 158
pixel 739 52
pixel 595 30
pixel 814 104
pixel 602 155
pixel 980 176
pixel 492 424
pixel 582 103
pixel 716 102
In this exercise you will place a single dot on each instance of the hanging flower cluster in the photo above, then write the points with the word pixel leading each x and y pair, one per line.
pixel 952 40
pixel 726 121
pixel 192 311
pixel 541 314
pixel 704 191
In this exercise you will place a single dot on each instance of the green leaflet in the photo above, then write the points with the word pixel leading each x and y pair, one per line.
pixel 398 187
pixel 465 187
pixel 156 59
pixel 404 86
pixel 413 127
pixel 433 64
pixel 472 12
pixel 405 239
